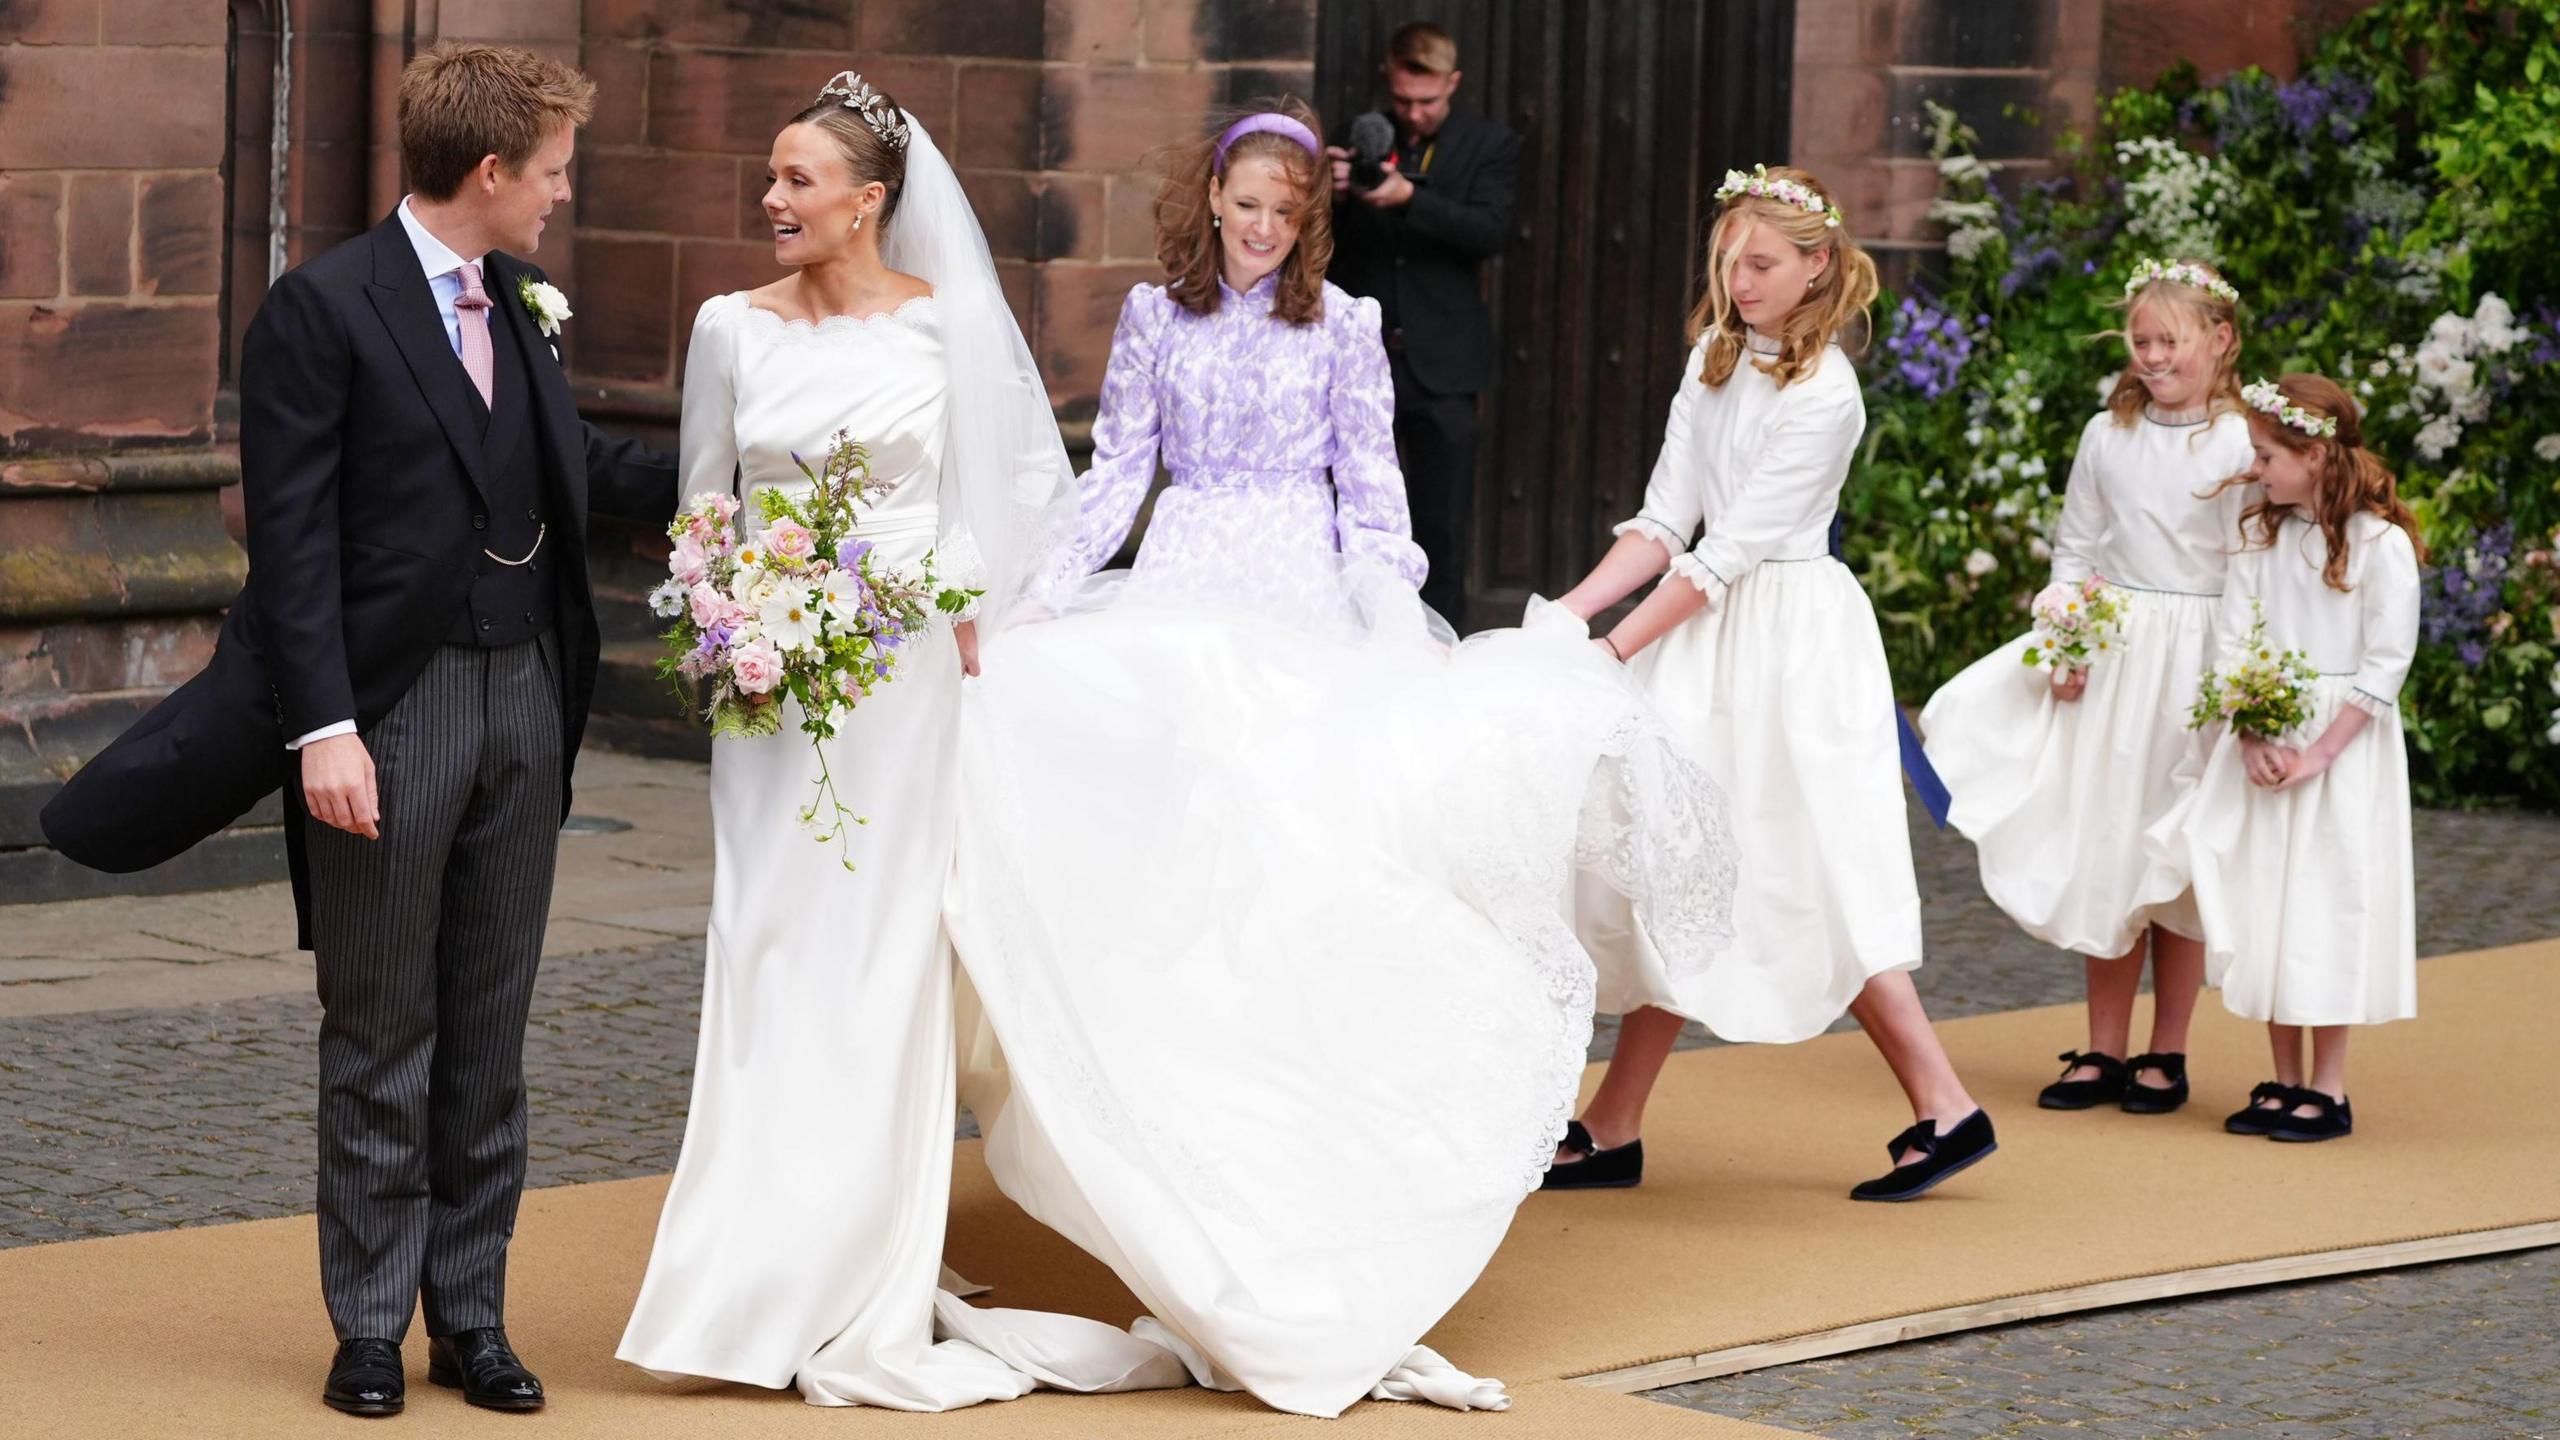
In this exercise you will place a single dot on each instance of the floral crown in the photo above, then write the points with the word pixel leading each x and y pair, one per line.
pixel 2180 273
pixel 1785 192
pixel 871 105
pixel 2266 399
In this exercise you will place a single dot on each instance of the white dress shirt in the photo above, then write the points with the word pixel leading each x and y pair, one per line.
pixel 444 280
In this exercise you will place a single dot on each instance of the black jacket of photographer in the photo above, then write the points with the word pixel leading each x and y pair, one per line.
pixel 1421 260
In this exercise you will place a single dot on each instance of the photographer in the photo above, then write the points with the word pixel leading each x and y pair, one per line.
pixel 1422 198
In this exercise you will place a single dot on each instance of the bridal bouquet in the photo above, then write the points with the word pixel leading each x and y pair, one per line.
pixel 2074 624
pixel 2262 694
pixel 791 606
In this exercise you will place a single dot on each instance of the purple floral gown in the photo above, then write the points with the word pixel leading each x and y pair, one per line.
pixel 1281 445
pixel 1260 883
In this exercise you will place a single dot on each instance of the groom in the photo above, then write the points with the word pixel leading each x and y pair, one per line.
pixel 417 482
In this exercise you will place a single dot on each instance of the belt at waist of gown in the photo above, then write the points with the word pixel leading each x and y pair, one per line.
pixel 1220 478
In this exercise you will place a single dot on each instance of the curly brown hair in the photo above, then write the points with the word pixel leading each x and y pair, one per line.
pixel 1187 244
pixel 2352 479
pixel 1837 300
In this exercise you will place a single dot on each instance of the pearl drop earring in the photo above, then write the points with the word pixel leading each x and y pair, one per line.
pixel 857 224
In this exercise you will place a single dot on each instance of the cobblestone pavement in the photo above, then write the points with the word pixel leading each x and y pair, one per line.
pixel 2461 1351
pixel 120 1120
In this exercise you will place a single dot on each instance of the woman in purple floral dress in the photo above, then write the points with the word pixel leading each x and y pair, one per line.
pixel 1263 883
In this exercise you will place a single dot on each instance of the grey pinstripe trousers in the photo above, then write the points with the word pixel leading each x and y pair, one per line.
pixel 426 942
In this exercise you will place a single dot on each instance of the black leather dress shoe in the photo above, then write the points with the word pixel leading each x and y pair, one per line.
pixel 1941 1156
pixel 1616 1168
pixel 366 1378
pixel 484 1368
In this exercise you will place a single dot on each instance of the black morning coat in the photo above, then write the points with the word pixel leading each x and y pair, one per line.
pixel 360 463
pixel 1421 260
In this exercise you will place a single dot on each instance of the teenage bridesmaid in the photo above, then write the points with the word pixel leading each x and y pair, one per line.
pixel 2054 775
pixel 2298 848
pixel 1763 653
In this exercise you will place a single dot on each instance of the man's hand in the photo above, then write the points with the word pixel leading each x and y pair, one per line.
pixel 1393 191
pixel 1341 159
pixel 337 785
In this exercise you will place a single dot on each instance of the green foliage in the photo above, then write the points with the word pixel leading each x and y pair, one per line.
pixel 2392 219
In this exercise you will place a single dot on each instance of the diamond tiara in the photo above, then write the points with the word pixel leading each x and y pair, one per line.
pixel 874 108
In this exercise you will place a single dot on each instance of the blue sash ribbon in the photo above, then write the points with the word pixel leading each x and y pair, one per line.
pixel 1915 761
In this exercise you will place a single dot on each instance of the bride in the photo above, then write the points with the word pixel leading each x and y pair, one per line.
pixel 802 1234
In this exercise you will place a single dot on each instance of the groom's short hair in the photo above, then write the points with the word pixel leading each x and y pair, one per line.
pixel 459 103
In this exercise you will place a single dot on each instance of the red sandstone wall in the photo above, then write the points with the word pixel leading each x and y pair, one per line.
pixel 110 221
pixel 1047 108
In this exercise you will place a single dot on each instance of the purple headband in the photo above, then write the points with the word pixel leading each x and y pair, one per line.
pixel 1269 122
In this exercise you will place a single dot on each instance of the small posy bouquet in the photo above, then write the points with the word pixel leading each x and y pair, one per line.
pixel 791 606
pixel 2075 624
pixel 2264 694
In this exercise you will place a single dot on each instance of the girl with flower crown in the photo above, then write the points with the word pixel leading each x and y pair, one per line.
pixel 2297 848
pixel 1763 653
pixel 2055 772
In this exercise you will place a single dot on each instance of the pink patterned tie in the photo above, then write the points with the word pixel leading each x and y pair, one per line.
pixel 472 309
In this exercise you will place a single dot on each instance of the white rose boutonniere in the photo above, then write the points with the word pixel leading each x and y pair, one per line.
pixel 544 302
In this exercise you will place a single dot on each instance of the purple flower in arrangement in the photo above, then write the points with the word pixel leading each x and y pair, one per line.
pixel 2462 596
pixel 849 554
pixel 2545 330
pixel 2030 265
pixel 2325 100
pixel 1928 347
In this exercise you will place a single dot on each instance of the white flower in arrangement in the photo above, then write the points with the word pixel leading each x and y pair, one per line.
pixel 1980 563
pixel 2034 469
pixel 2174 195
pixel 1974 435
pixel 545 303
pixel 668 600
pixel 2035 406
pixel 2378 369
pixel 2438 436
pixel 840 595
pixel 2495 323
pixel 2547 448
pixel 791 622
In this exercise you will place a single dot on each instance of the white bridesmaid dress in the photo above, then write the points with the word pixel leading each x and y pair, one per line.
pixel 2307 894
pixel 2055 794
pixel 1780 688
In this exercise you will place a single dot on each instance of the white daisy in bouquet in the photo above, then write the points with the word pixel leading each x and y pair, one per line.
pixel 2075 625
pixel 789 605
